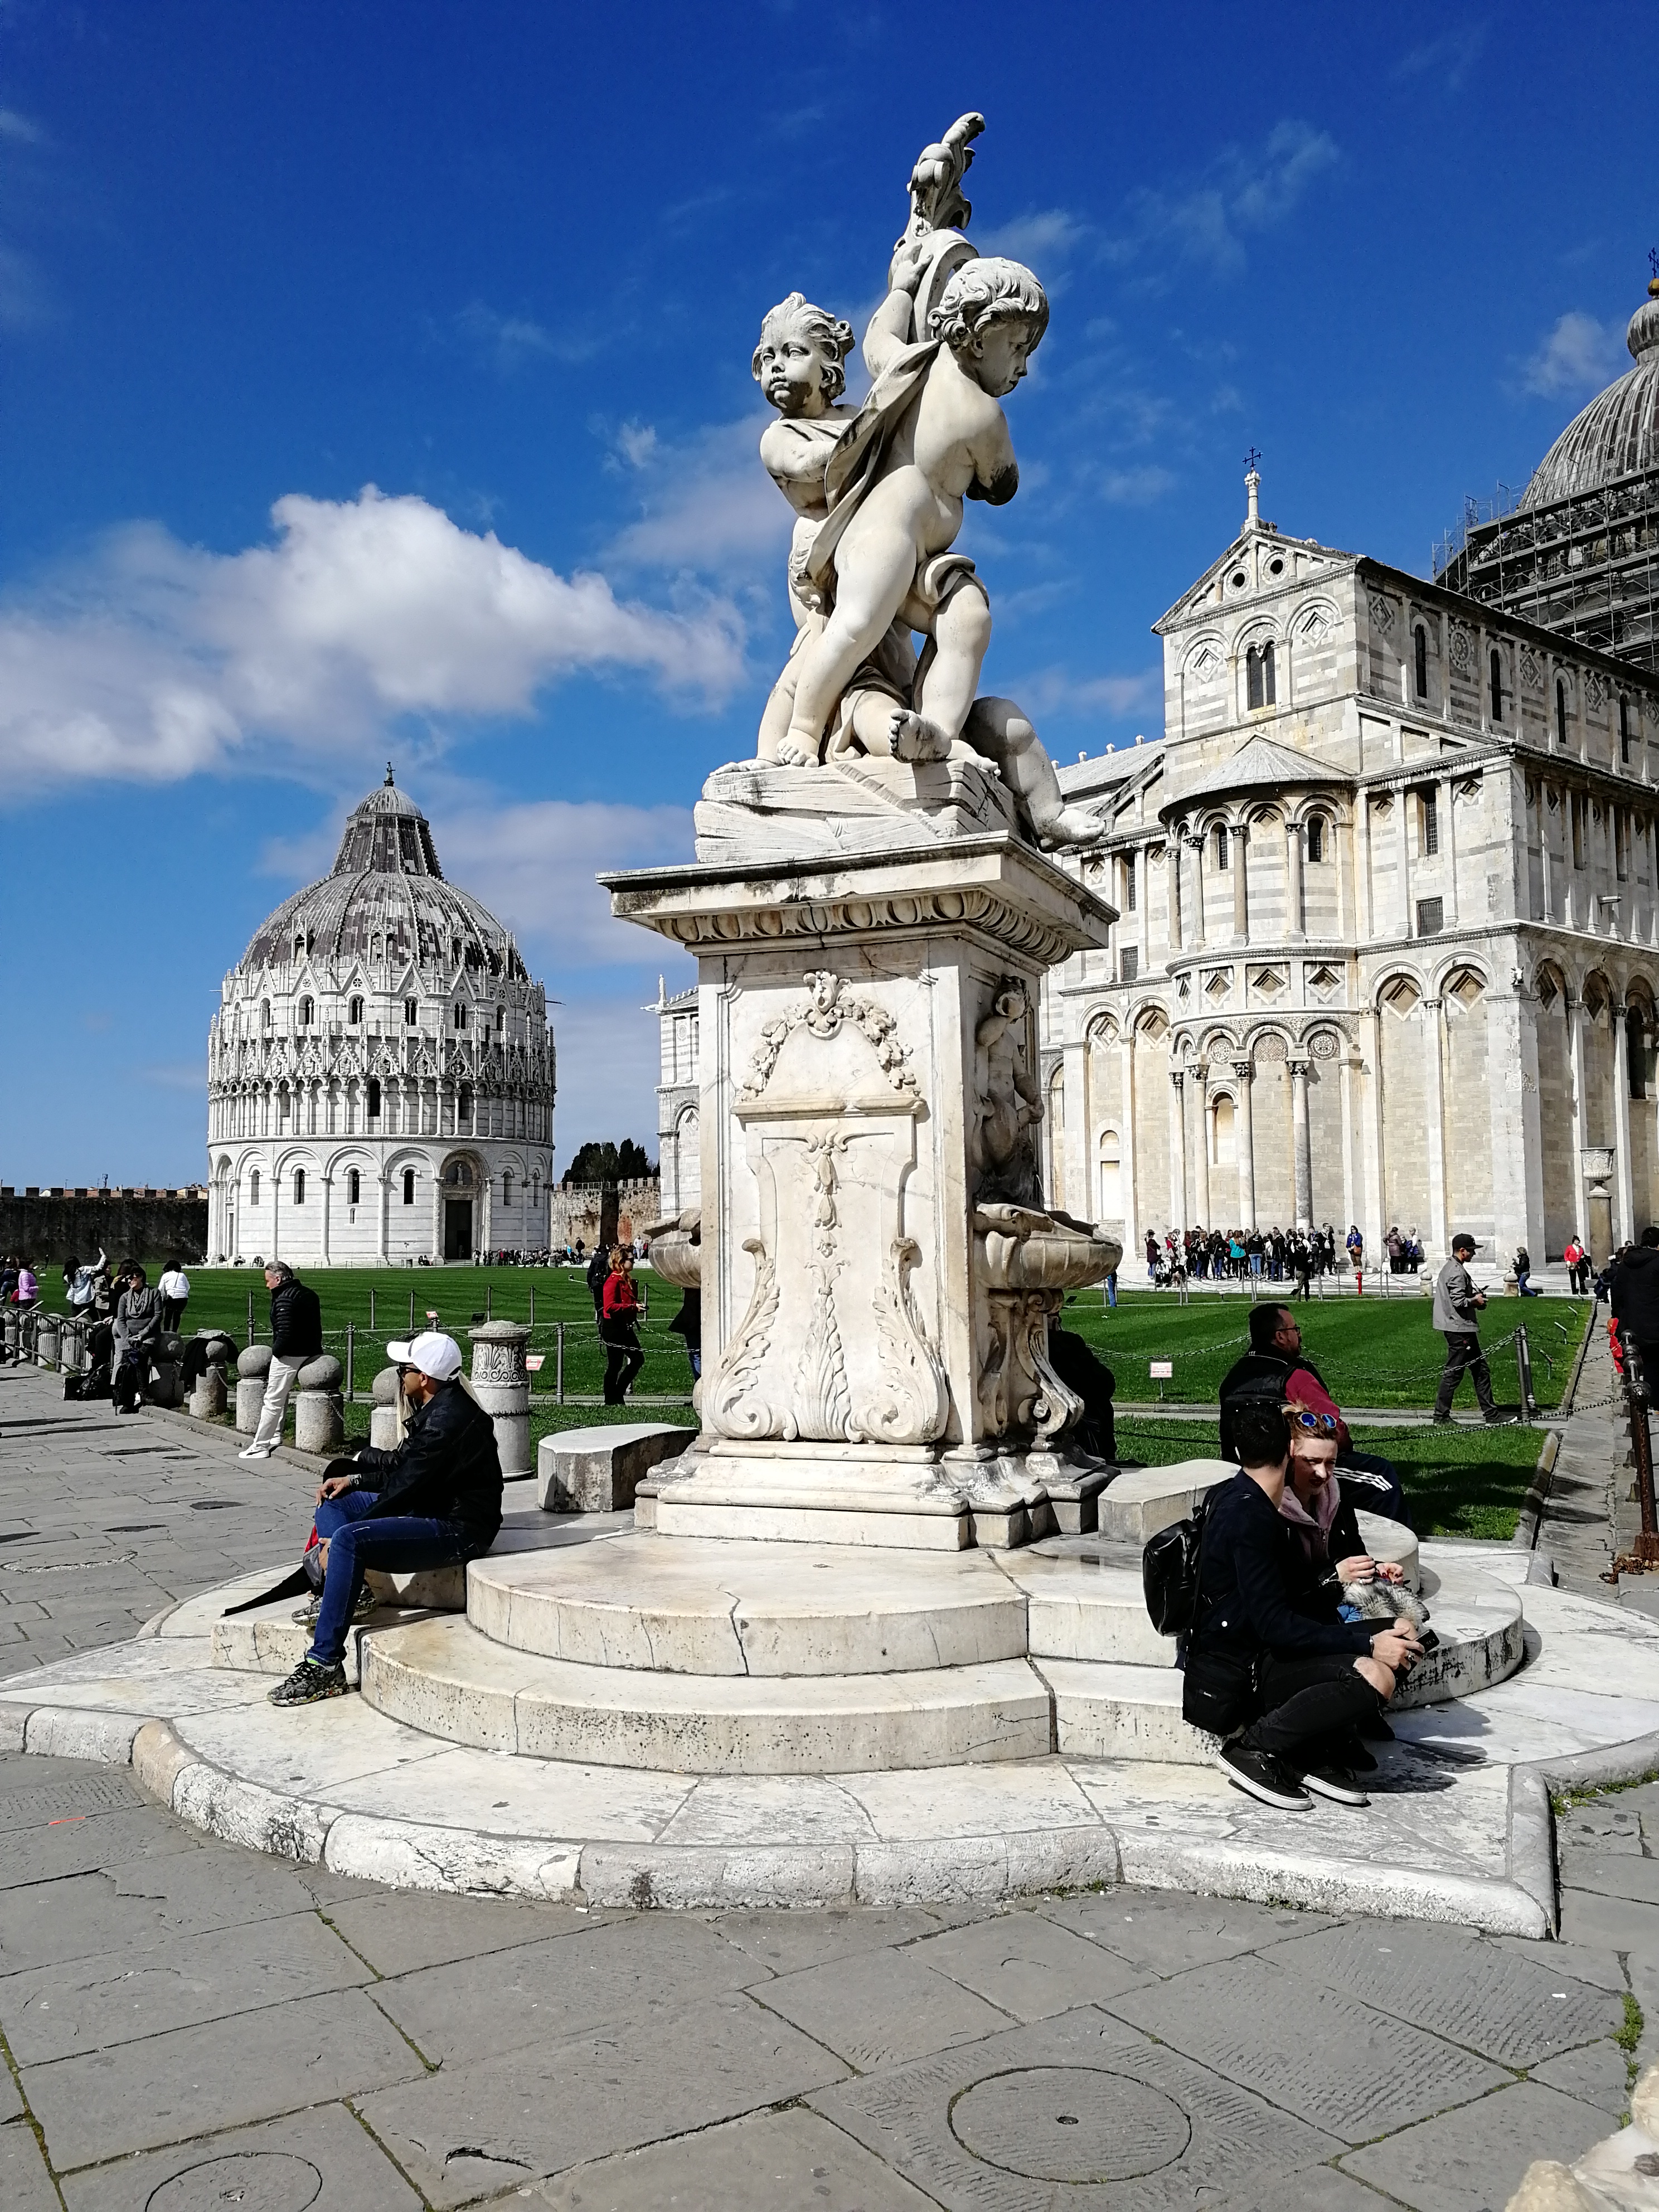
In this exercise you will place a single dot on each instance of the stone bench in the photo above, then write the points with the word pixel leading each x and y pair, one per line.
pixel 598 1470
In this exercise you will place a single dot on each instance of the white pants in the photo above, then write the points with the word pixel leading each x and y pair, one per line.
pixel 278 1385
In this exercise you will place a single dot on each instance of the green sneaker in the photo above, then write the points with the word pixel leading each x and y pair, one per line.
pixel 309 1684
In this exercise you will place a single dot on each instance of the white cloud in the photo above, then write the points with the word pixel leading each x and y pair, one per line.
pixel 1447 59
pixel 636 442
pixel 157 660
pixel 1579 355
pixel 708 505
pixel 1135 486
pixel 1245 191
pixel 1048 234
pixel 509 342
pixel 534 866
pixel 1056 690
pixel 609 1060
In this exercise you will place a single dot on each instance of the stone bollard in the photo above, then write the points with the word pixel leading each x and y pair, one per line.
pixel 383 1427
pixel 319 1407
pixel 252 1368
pixel 48 1337
pixel 11 1322
pixel 501 1383
pixel 207 1398
pixel 72 1346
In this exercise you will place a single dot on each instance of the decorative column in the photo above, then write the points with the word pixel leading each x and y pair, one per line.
pixel 1240 844
pixel 1293 923
pixel 1198 888
pixel 327 1181
pixel 1126 1154
pixel 1402 859
pixel 1576 1065
pixel 501 1383
pixel 1623 1177
pixel 1201 1158
pixel 1245 1142
pixel 1178 1150
pixel 1370 1219
pixel 383 1205
pixel 1174 845
pixel 1304 1146
pixel 1435 1124
pixel 1449 847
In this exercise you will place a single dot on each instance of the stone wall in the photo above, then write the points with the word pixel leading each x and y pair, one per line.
pixel 50 1226
pixel 609 1213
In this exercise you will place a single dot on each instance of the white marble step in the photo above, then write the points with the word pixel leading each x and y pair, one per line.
pixel 1110 1709
pixel 716 1607
pixel 444 1678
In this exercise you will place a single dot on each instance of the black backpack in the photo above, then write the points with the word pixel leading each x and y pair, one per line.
pixel 1169 1572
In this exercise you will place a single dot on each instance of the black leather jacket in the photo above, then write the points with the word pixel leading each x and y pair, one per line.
pixel 446 1469
pixel 296 1321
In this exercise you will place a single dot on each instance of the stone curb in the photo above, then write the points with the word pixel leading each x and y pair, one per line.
pixel 949 1869
pixel 309 1462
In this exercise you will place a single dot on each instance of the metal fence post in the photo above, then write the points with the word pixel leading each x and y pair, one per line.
pixel 532 1305
pixel 558 1368
pixel 250 1316
pixel 1523 1361
pixel 411 1313
pixel 488 1315
pixel 351 1362
pixel 371 1308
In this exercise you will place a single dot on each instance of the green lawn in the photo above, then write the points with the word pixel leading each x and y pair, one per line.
pixel 1371 1352
pixel 1458 1482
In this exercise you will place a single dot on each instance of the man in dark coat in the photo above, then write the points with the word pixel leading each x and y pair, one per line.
pixel 433 1502
pixel 296 1337
pixel 1635 1301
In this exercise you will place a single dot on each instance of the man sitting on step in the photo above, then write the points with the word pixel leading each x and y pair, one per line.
pixel 433 1502
pixel 1287 1693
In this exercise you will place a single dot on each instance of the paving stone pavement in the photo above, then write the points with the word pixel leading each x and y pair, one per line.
pixel 185 2025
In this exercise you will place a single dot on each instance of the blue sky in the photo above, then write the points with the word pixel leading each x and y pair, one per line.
pixel 375 380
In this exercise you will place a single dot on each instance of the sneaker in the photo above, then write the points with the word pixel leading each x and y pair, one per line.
pixel 366 1604
pixel 1334 1782
pixel 257 1452
pixel 1502 1420
pixel 1442 1421
pixel 1259 1775
pixel 309 1684
pixel 305 1614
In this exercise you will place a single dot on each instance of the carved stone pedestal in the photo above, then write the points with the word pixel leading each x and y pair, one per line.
pixel 501 1383
pixel 877 1264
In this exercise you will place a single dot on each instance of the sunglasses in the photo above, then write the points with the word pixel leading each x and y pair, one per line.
pixel 1320 1424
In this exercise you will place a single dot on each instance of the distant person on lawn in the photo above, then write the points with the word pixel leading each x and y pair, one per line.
pixel 619 1327
pixel 1277 1366
pixel 296 1338
pixel 173 1291
pixel 433 1502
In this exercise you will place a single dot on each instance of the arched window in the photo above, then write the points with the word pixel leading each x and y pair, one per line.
pixel 1111 1177
pixel 299 946
pixel 408 1186
pixel 355 1012
pixel 1560 712
pixel 1430 823
pixel 264 1013
pixel 1128 882
pixel 1221 844
pixel 1223 1135
pixel 455 951
pixel 500 1020
pixel 1316 838
pixel 354 1185
pixel 463 1107
pixel 253 1188
pixel 1497 686
pixel 1258 682
pixel 411 1012
pixel 506 1187
pixel 1420 654
pixel 460 1017
pixel 307 1013
pixel 373 1098
pixel 299 1186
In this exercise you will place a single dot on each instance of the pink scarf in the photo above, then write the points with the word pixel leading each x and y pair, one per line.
pixel 1314 1528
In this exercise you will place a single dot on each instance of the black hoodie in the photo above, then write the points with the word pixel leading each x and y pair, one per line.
pixel 1636 1295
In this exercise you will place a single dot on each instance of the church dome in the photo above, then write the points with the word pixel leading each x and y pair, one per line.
pixel 1617 434
pixel 386 897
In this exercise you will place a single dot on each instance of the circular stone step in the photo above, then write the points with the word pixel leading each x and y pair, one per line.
pixel 443 1677
pixel 713 1608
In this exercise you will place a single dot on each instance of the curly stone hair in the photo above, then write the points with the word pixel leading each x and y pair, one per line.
pixel 832 334
pixel 987 290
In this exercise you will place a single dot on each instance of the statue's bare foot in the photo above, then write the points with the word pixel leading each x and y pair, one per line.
pixel 1068 825
pixel 790 755
pixel 913 737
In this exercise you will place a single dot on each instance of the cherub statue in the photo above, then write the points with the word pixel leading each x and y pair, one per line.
pixel 878 562
pixel 1010 1104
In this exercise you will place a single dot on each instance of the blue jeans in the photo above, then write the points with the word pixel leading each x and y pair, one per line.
pixel 358 1538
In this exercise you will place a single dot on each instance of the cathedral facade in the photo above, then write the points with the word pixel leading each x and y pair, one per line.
pixel 1388 945
pixel 380 1070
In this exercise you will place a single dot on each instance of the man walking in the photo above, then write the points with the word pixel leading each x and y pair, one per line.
pixel 1457 1306
pixel 296 1336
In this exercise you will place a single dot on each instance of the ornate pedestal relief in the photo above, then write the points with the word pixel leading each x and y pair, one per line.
pixel 832 1347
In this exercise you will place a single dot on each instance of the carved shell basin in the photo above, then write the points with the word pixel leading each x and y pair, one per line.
pixel 1048 1256
pixel 678 1259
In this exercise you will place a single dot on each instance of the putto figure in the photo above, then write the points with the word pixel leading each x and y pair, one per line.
pixel 871 558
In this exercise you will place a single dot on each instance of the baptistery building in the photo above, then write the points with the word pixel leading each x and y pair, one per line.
pixel 380 1070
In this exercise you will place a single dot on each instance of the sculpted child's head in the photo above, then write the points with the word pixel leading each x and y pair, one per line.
pixel 799 361
pixel 992 314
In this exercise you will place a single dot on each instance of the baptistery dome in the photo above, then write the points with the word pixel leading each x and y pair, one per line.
pixel 380 1071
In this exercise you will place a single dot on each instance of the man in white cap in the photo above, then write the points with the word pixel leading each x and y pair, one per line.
pixel 433 1502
